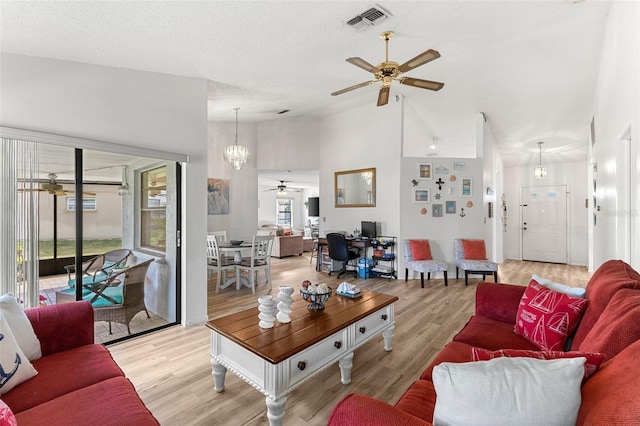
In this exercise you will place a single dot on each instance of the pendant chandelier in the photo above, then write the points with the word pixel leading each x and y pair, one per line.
pixel 540 172
pixel 235 154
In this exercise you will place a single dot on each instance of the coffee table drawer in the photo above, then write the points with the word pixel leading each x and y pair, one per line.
pixel 317 356
pixel 375 322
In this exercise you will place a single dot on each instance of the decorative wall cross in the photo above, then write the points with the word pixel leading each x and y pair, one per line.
pixel 440 182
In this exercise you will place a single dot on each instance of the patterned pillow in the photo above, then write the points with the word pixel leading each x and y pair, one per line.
pixel 16 367
pixel 474 249
pixel 20 326
pixel 546 317
pixel 593 360
pixel 6 415
pixel 420 249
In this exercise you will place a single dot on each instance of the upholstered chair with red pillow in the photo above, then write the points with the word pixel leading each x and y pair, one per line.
pixel 471 257
pixel 417 257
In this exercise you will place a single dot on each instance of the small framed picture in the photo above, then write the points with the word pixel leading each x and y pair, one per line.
pixel 466 187
pixel 437 210
pixel 451 207
pixel 424 171
pixel 458 165
pixel 421 196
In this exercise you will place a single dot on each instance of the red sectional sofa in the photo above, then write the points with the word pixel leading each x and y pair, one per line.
pixel 78 382
pixel 610 325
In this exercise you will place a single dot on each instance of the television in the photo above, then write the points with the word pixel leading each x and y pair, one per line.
pixel 314 206
pixel 368 229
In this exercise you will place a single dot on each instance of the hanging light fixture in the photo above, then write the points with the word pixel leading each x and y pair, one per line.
pixel 540 172
pixel 236 154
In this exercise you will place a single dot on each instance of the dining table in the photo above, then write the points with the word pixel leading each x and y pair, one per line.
pixel 226 247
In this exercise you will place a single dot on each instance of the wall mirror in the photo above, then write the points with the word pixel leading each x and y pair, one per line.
pixel 355 188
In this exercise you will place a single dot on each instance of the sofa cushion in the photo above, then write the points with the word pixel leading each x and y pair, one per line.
pixel 610 277
pixel 110 402
pixel 547 318
pixel 592 360
pixel 508 391
pixel 419 400
pixel 16 367
pixel 420 249
pixel 498 301
pixel 62 327
pixel 20 326
pixel 452 352
pixel 618 325
pixel 491 334
pixel 61 373
pixel 361 410
pixel 7 418
pixel 611 396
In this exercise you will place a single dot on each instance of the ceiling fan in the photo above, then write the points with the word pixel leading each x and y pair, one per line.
pixel 388 71
pixel 282 188
pixel 54 188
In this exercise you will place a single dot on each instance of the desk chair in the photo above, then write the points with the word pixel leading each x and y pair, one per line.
pixel 339 251
pixel 471 257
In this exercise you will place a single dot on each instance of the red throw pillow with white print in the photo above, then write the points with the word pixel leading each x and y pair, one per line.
pixel 547 318
pixel 590 366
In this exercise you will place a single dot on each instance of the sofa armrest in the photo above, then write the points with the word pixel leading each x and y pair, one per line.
pixel 62 327
pixel 498 301
pixel 356 409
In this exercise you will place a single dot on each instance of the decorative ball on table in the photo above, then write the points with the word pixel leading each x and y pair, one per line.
pixel 316 295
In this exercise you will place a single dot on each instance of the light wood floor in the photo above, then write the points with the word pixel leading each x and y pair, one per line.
pixel 171 370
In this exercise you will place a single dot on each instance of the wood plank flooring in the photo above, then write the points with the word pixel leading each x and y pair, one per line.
pixel 171 369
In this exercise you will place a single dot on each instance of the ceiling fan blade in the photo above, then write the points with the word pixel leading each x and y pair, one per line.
pixel 422 84
pixel 90 194
pixel 383 96
pixel 361 63
pixel 354 87
pixel 61 193
pixel 31 189
pixel 421 59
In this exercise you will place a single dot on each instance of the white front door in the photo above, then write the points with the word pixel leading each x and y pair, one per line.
pixel 544 223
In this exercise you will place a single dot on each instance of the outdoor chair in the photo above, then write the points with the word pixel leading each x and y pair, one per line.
pixel 471 257
pixel 417 257
pixel 99 268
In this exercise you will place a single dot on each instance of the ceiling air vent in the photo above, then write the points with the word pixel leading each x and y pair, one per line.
pixel 372 16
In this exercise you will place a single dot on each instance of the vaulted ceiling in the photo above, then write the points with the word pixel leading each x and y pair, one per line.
pixel 530 66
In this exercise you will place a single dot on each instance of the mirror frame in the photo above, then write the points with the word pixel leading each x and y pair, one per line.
pixel 350 172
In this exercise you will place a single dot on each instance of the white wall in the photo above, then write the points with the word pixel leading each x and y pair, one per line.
pixel 289 144
pixel 574 175
pixel 617 109
pixel 141 109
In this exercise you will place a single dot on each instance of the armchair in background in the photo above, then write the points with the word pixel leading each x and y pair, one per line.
pixel 471 257
pixel 417 257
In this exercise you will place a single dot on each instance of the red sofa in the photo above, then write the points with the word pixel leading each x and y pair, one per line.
pixel 78 382
pixel 609 397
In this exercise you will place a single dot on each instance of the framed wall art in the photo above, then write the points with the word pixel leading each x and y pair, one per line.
pixel 421 196
pixel 437 210
pixel 217 196
pixel 425 171
pixel 450 207
pixel 466 187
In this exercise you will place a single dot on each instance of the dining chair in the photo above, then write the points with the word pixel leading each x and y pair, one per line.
pixel 260 260
pixel 339 251
pixel 123 301
pixel 216 261
pixel 471 257
pixel 98 268
pixel 417 257
pixel 220 235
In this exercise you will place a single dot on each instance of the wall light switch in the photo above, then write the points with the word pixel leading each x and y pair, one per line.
pixel 324 219
pixel 450 190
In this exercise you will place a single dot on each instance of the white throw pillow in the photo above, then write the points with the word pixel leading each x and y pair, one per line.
pixel 21 326
pixel 508 391
pixel 16 368
pixel 560 288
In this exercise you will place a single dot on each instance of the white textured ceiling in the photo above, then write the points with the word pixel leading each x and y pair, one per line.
pixel 529 66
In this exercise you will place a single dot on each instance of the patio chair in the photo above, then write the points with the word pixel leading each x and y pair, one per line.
pixel 471 257
pixel 417 257
pixel 216 261
pixel 127 297
pixel 98 268
pixel 260 260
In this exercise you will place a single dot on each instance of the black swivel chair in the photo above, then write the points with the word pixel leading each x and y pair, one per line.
pixel 339 251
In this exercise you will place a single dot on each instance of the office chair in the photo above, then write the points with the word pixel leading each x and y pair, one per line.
pixel 339 251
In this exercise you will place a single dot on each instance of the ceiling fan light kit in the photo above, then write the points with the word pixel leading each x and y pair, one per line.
pixel 236 154
pixel 388 71
pixel 540 172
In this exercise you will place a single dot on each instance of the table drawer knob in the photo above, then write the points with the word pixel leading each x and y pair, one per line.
pixel 302 365
pixel 384 317
pixel 363 330
pixel 338 344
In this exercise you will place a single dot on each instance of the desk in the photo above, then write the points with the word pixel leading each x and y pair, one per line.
pixel 358 243
pixel 225 247
pixel 277 360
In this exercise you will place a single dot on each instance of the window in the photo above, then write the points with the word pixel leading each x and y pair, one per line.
pixel 153 209
pixel 88 204
pixel 284 207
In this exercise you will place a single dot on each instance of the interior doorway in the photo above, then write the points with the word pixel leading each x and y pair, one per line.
pixel 544 223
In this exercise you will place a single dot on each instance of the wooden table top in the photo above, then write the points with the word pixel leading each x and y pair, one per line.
pixel 306 328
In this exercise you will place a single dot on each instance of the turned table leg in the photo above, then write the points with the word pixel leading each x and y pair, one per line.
pixel 218 371
pixel 387 334
pixel 275 410
pixel 346 363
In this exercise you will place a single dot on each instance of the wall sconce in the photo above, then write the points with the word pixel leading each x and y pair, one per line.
pixel 540 172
